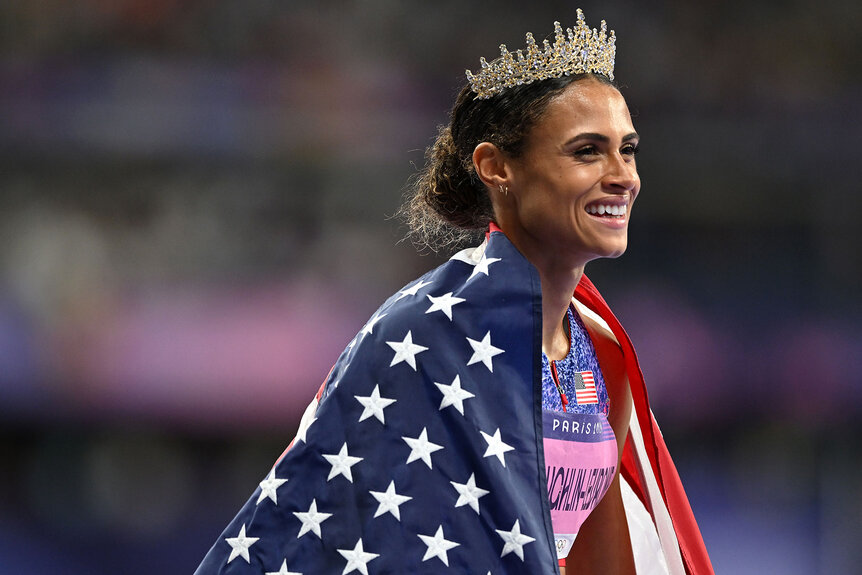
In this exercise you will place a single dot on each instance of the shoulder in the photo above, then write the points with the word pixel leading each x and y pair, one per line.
pixel 613 365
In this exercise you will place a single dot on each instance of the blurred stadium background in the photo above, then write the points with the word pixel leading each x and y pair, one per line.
pixel 194 220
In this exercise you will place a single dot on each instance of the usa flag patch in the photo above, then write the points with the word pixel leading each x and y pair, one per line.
pixel 585 388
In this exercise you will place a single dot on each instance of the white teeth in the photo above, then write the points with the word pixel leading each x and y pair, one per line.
pixel 611 210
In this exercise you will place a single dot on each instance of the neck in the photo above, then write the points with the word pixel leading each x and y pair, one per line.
pixel 559 276
pixel 558 286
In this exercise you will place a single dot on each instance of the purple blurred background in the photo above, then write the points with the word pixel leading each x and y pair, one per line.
pixel 194 220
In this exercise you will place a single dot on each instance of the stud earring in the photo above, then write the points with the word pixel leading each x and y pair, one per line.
pixel 504 190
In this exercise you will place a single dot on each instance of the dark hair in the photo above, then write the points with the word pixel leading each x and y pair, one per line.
pixel 446 202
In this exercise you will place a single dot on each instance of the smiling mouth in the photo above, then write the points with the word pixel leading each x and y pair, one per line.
pixel 607 210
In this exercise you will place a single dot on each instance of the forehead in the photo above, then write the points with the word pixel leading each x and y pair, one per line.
pixel 585 106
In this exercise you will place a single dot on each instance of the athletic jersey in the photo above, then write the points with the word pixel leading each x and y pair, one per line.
pixel 580 446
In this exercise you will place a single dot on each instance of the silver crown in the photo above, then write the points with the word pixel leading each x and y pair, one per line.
pixel 578 51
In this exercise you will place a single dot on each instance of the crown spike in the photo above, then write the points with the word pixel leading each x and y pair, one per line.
pixel 559 38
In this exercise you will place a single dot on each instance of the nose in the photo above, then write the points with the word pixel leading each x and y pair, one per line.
pixel 621 175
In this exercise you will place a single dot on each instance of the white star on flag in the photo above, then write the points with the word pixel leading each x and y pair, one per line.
pixel 268 487
pixel 357 558
pixel 444 303
pixel 374 405
pixel 412 290
pixel 369 327
pixel 468 493
pixel 405 350
pixel 437 546
pixel 421 448
pixel 496 446
pixel 454 394
pixel 283 570
pixel 514 540
pixel 483 265
pixel 389 501
pixel 240 544
pixel 341 463
pixel 483 351
pixel 311 520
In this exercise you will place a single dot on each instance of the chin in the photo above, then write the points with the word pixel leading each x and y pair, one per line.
pixel 613 252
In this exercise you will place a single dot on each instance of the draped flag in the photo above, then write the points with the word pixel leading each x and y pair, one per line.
pixel 423 449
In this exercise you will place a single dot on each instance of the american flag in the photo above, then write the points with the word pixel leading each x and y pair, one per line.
pixel 422 452
pixel 585 388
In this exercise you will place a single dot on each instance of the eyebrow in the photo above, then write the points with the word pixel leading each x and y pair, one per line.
pixel 600 137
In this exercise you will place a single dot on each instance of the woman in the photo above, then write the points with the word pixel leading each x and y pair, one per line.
pixel 480 420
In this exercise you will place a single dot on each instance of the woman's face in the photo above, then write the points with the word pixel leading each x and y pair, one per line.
pixel 573 187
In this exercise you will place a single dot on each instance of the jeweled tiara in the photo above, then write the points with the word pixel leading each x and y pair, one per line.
pixel 579 51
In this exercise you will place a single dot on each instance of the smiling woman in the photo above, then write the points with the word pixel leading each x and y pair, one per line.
pixel 551 165
pixel 542 452
pixel 577 167
pixel 554 137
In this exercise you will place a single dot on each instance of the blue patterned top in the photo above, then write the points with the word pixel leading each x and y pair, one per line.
pixel 581 357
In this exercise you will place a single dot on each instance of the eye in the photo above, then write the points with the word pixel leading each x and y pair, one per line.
pixel 630 149
pixel 586 151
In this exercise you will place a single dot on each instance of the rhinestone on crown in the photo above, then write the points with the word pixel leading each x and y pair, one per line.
pixel 578 51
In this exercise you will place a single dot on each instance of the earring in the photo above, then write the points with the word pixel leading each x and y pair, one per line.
pixel 504 190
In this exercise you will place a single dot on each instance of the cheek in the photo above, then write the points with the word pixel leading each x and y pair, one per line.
pixel 543 213
pixel 637 190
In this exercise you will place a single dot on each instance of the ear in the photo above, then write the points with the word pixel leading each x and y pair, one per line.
pixel 491 165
